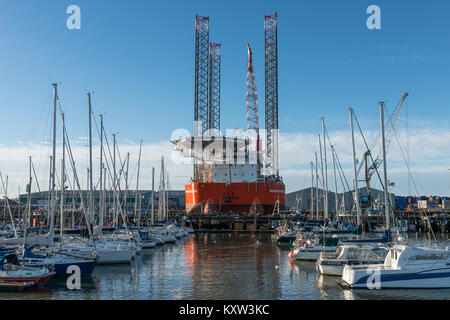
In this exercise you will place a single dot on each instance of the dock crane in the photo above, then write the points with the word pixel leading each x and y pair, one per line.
pixel 393 122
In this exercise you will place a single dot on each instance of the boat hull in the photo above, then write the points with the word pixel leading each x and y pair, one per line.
pixel 86 268
pixel 115 256
pixel 336 268
pixel 25 282
pixel 373 278
pixel 60 268
pixel 311 254
pixel 105 255
pixel 235 198
pixel 148 244
pixel 330 270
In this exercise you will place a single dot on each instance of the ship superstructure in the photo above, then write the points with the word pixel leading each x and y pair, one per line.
pixel 233 174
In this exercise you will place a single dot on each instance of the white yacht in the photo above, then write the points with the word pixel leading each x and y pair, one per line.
pixel 332 264
pixel 403 267
pixel 145 239
pixel 286 238
pixel 310 250
pixel 166 235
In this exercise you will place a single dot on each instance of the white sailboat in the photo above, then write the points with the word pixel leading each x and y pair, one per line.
pixel 105 251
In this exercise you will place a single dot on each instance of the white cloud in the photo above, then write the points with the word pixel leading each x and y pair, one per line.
pixel 429 160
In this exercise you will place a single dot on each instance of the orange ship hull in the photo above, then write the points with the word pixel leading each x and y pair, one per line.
pixel 235 198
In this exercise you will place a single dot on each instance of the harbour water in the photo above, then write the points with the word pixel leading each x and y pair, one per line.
pixel 216 266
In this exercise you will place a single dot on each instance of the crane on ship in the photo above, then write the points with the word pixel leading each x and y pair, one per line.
pixel 252 111
pixel 393 122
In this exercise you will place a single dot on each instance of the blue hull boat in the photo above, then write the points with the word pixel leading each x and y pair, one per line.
pixel 86 268
pixel 60 264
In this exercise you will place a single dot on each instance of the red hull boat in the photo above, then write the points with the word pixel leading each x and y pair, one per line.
pixel 13 275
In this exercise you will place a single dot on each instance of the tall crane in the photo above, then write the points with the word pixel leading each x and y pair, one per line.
pixel 201 82
pixel 271 92
pixel 393 122
pixel 252 109
pixel 201 75
pixel 214 88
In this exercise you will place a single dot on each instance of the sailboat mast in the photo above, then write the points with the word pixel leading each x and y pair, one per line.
pixel 29 201
pixel 312 190
pixel 27 217
pixel 153 195
pixel 62 177
pixel 73 198
pixel 166 192
pixel 325 168
pixel 358 209
pixel 317 188
pixel 6 195
pixel 49 196
pixel 162 196
pixel 137 185
pixel 386 190
pixel 102 214
pixel 52 205
pixel 114 179
pixel 101 198
pixel 91 196
pixel 323 176
pixel 125 202
pixel 336 201
pixel 8 206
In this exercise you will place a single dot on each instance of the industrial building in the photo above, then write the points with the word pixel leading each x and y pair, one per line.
pixel 301 200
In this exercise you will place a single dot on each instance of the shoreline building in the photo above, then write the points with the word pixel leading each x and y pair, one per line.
pixel 301 200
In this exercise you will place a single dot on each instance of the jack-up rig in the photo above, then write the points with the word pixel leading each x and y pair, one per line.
pixel 232 174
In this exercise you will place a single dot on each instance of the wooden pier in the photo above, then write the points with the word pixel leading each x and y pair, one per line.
pixel 238 223
pixel 414 220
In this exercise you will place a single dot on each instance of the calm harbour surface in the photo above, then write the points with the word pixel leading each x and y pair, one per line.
pixel 208 266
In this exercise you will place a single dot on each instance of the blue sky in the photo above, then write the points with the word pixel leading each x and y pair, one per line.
pixel 138 58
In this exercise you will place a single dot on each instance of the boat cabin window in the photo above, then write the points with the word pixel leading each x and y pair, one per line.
pixel 367 254
pixel 394 254
pixel 352 253
pixel 430 256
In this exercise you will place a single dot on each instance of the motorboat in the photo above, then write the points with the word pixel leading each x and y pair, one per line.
pixel 386 237
pixel 166 236
pixel 332 264
pixel 310 250
pixel 145 239
pixel 14 275
pixel 404 267
pixel 286 238
pixel 175 232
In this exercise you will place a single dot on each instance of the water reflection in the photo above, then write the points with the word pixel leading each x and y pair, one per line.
pixel 216 266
